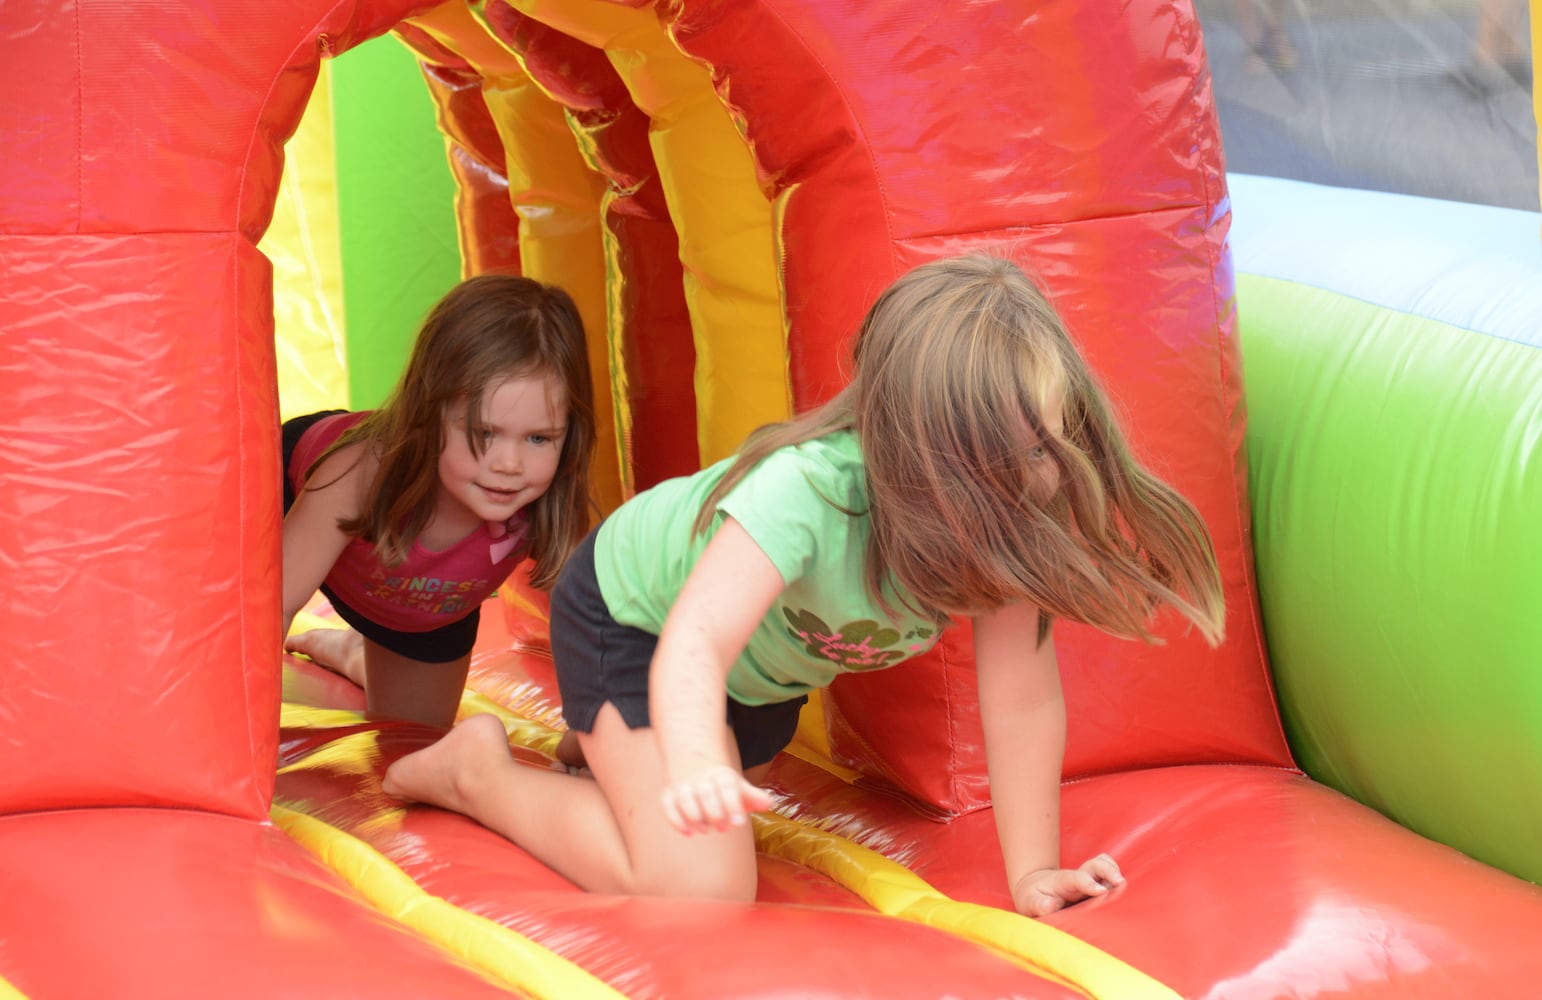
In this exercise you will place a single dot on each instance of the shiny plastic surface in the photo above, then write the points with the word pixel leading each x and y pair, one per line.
pixel 1243 882
pixel 706 179
pixel 141 472
pixel 140 410
pixel 304 246
pixel 394 190
pixel 1398 509
pixel 171 903
pixel 485 215
pixel 825 944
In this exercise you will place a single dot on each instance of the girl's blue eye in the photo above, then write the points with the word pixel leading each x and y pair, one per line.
pixel 539 439
pixel 1037 452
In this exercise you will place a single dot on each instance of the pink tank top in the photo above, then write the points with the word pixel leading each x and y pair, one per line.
pixel 430 589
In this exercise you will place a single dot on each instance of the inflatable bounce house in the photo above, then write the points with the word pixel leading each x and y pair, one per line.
pixel 1344 799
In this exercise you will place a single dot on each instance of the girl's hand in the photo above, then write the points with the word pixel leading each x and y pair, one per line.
pixel 1051 889
pixel 714 799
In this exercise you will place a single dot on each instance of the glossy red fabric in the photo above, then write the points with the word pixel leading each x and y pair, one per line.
pixel 1244 881
pixel 828 944
pixel 141 603
pixel 173 903
pixel 141 465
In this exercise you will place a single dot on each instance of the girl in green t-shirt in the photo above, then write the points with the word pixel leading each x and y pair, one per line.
pixel 971 468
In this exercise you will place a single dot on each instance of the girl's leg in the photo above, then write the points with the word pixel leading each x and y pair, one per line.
pixel 395 686
pixel 399 687
pixel 607 834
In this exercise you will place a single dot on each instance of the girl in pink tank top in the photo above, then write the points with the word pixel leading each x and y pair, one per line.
pixel 409 516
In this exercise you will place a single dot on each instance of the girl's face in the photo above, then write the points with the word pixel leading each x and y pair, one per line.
pixel 1044 475
pixel 525 419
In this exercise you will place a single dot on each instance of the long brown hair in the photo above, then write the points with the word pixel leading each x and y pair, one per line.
pixel 955 364
pixel 485 330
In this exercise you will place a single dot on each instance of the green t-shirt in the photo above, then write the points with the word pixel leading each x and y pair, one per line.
pixel 794 505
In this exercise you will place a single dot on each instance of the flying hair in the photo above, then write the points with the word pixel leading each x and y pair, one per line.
pixel 996 472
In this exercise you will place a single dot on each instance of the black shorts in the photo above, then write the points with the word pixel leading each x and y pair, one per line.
pixel 600 660
pixel 445 644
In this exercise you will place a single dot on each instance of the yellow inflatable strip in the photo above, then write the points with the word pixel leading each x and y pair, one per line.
pixel 292 715
pixel 895 891
pixel 308 317
pixel 509 959
pixel 887 886
pixel 9 992
pixel 525 732
pixel 306 621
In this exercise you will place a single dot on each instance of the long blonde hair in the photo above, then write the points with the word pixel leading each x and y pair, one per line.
pixel 955 364
pixel 486 329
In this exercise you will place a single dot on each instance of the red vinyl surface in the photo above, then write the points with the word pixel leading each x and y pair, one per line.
pixel 137 902
pixel 805 937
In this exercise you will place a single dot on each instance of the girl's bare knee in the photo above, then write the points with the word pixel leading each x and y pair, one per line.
pixel 741 890
pixel 704 882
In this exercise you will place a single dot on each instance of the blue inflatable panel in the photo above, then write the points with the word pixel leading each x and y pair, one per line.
pixel 1473 266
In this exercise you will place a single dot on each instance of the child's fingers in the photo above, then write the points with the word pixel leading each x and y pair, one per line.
pixel 693 806
pixel 728 798
pixel 754 798
pixel 731 788
pixel 716 800
pixel 1097 875
pixel 1104 869
pixel 672 812
pixel 683 808
pixel 1043 902
pixel 1084 884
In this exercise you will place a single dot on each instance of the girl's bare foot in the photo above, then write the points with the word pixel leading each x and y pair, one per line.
pixel 447 773
pixel 338 650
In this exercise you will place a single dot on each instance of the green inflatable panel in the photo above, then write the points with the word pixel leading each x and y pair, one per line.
pixel 1397 508
pixel 396 211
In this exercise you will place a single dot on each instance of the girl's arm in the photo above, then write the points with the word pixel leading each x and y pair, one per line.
pixel 724 599
pixel 1023 714
pixel 312 539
